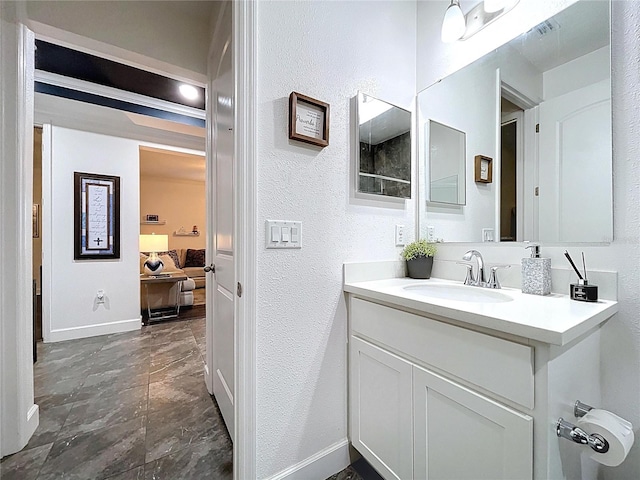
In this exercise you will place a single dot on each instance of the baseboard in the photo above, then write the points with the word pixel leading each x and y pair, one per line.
pixel 323 464
pixel 33 420
pixel 94 330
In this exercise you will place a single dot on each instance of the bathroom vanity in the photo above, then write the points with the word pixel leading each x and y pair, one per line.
pixel 450 381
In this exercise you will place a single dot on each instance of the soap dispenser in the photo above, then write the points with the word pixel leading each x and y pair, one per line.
pixel 536 273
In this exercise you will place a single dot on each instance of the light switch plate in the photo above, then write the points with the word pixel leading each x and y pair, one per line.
pixel 288 234
pixel 400 242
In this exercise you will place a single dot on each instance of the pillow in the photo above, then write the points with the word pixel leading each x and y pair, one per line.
pixel 172 253
pixel 195 258
pixel 167 259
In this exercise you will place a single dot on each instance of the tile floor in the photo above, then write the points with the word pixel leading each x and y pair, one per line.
pixel 123 407
pixel 130 406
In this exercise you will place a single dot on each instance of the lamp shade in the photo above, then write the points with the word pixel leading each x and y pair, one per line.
pixel 154 243
pixel 453 24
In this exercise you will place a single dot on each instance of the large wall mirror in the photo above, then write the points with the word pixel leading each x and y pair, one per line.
pixel 384 154
pixel 540 108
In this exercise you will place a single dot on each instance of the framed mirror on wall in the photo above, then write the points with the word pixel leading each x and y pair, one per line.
pixel 540 108
pixel 447 182
pixel 383 160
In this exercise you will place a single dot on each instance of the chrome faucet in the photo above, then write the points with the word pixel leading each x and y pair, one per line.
pixel 478 279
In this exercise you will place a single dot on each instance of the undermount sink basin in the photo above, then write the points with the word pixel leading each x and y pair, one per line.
pixel 459 293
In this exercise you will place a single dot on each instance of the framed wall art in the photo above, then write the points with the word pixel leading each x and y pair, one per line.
pixel 308 120
pixel 483 169
pixel 35 221
pixel 96 208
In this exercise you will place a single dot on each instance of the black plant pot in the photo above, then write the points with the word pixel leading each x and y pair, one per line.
pixel 420 267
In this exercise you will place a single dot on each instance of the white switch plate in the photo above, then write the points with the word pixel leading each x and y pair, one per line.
pixel 431 233
pixel 283 234
pixel 487 235
pixel 400 236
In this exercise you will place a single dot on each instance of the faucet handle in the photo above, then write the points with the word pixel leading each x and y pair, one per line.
pixel 469 279
pixel 493 276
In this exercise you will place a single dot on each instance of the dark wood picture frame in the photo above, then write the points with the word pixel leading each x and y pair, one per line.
pixel 96 210
pixel 308 120
pixel 483 175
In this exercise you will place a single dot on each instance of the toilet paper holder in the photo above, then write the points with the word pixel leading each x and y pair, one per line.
pixel 571 432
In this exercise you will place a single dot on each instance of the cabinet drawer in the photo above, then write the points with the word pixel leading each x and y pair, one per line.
pixel 497 365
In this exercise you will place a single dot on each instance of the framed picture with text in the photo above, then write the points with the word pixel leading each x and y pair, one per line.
pixel 308 120
pixel 483 169
pixel 96 210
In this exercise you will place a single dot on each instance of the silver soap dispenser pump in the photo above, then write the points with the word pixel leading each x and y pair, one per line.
pixel 536 272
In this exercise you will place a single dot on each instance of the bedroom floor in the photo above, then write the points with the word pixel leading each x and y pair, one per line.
pixel 125 406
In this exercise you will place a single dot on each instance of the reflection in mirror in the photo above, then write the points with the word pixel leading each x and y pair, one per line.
pixel 446 164
pixel 384 154
pixel 540 106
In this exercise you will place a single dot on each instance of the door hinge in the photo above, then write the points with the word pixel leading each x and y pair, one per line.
pixel 536 191
pixel 537 128
pixel 239 290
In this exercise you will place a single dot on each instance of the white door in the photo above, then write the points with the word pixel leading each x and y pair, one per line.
pixel 221 282
pixel 575 166
pixel 462 435
pixel 380 412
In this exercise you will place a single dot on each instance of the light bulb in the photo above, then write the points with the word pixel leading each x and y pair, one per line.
pixel 188 91
pixel 453 24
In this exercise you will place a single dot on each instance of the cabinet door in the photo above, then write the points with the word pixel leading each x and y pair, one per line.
pixel 380 401
pixel 462 435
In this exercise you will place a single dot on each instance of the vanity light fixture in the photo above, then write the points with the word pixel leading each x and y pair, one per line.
pixel 188 91
pixel 492 6
pixel 453 24
pixel 458 26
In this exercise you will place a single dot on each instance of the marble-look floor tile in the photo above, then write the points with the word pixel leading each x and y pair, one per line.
pixel 105 411
pixel 24 465
pixel 173 429
pixel 170 336
pixel 51 421
pixel 113 381
pixel 97 455
pixel 58 393
pixel 178 391
pixel 169 352
pixel 348 473
pixel 183 366
pixel 134 474
pixel 210 459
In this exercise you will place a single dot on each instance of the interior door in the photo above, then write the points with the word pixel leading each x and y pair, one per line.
pixel 221 284
pixel 575 166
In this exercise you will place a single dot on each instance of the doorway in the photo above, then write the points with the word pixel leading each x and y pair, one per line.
pixel 511 172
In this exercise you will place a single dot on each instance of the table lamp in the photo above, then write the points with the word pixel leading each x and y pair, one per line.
pixel 153 244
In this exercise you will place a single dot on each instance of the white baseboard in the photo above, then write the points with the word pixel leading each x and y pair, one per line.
pixel 323 464
pixel 94 330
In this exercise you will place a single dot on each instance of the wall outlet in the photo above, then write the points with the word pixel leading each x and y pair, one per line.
pixel 431 233
pixel 487 235
pixel 400 242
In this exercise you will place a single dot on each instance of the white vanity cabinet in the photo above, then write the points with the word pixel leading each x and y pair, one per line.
pixel 429 399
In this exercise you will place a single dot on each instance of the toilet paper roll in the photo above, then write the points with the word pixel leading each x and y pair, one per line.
pixel 617 431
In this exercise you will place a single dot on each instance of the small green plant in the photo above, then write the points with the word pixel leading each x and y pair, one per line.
pixel 419 248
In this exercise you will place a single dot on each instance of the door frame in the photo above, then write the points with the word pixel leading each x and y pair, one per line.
pixel 19 416
pixel 518 119
pixel 244 38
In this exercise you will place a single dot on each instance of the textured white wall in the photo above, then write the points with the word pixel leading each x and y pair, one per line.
pixel 620 368
pixel 75 283
pixel 329 51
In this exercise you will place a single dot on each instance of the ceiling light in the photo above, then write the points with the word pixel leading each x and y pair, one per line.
pixel 491 6
pixel 453 25
pixel 188 91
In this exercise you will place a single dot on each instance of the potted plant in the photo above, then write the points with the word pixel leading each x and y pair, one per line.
pixel 419 257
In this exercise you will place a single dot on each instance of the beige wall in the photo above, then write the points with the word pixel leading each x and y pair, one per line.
pixel 181 203
pixel 37 198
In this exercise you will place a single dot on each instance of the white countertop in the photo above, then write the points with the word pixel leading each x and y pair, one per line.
pixel 553 319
